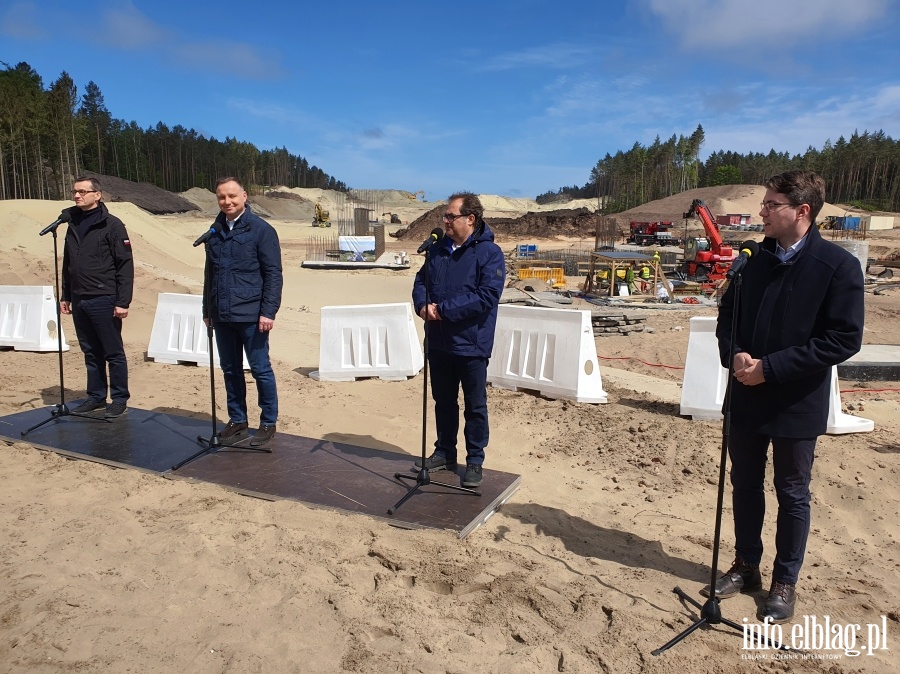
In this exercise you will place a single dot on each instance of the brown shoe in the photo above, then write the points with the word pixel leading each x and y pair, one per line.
pixel 234 431
pixel 741 577
pixel 780 603
pixel 265 433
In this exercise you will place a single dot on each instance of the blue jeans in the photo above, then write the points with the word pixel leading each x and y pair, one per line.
pixel 792 460
pixel 448 373
pixel 233 339
pixel 100 338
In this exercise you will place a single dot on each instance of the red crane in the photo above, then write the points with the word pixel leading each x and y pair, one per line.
pixel 706 259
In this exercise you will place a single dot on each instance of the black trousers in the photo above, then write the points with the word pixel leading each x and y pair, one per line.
pixel 100 338
pixel 792 461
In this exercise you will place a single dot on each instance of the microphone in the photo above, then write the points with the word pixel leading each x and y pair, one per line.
pixel 65 216
pixel 436 235
pixel 748 250
pixel 205 236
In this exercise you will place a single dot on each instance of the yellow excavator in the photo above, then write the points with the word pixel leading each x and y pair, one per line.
pixel 415 195
pixel 322 217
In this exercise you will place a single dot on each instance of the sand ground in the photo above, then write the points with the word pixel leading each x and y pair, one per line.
pixel 113 570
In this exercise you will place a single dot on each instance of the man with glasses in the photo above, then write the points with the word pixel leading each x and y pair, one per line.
pixel 465 275
pixel 801 312
pixel 97 283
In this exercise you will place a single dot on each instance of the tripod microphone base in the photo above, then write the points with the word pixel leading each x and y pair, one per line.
pixel 62 410
pixel 710 614
pixel 213 444
pixel 423 479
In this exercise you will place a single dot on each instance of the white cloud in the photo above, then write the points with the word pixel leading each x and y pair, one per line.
pixel 126 28
pixel 554 56
pixel 22 20
pixel 794 130
pixel 742 24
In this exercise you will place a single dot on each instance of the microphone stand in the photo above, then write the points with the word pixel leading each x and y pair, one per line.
pixel 214 442
pixel 61 409
pixel 710 613
pixel 422 478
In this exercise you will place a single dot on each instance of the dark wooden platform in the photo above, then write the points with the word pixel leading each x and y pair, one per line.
pixel 319 473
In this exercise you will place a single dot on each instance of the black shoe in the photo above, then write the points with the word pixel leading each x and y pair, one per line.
pixel 435 462
pixel 115 409
pixel 90 405
pixel 741 577
pixel 780 603
pixel 265 433
pixel 234 431
pixel 472 478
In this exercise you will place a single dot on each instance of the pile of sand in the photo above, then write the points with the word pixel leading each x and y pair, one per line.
pixel 726 199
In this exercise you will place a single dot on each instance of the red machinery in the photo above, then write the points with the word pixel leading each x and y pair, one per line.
pixel 706 259
pixel 651 234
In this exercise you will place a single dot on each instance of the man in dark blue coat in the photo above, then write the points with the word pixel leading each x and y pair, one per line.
pixel 457 294
pixel 801 312
pixel 242 294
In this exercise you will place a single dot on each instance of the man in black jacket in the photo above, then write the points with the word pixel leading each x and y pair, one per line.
pixel 801 312
pixel 243 282
pixel 97 284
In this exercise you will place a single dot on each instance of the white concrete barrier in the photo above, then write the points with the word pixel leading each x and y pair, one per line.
pixel 839 422
pixel 705 380
pixel 179 333
pixel 28 319
pixel 547 350
pixel 368 340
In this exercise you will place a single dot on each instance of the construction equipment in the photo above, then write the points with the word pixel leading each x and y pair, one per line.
pixel 395 219
pixel 709 258
pixel 322 217
pixel 414 196
pixel 652 234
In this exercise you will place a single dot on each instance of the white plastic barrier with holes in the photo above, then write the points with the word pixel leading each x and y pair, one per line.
pixel 179 333
pixel 28 319
pixel 368 340
pixel 703 386
pixel 547 350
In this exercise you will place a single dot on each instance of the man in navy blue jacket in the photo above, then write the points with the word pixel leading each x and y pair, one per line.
pixel 801 312
pixel 242 294
pixel 457 294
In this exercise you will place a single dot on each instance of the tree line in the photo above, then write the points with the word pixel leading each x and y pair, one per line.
pixel 48 136
pixel 863 171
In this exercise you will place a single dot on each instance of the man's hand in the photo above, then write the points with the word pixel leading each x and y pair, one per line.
pixel 65 307
pixel 430 313
pixel 748 370
pixel 119 312
pixel 206 322
pixel 266 324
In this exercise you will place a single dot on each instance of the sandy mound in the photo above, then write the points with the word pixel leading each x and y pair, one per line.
pixel 735 199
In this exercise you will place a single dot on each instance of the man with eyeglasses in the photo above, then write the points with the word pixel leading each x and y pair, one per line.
pixel 801 312
pixel 465 275
pixel 97 284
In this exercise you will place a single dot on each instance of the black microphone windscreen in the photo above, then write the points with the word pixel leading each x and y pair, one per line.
pixel 750 246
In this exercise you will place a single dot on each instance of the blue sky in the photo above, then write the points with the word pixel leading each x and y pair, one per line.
pixel 507 97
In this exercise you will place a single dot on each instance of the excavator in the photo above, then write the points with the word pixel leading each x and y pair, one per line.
pixel 322 217
pixel 706 259
pixel 414 196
